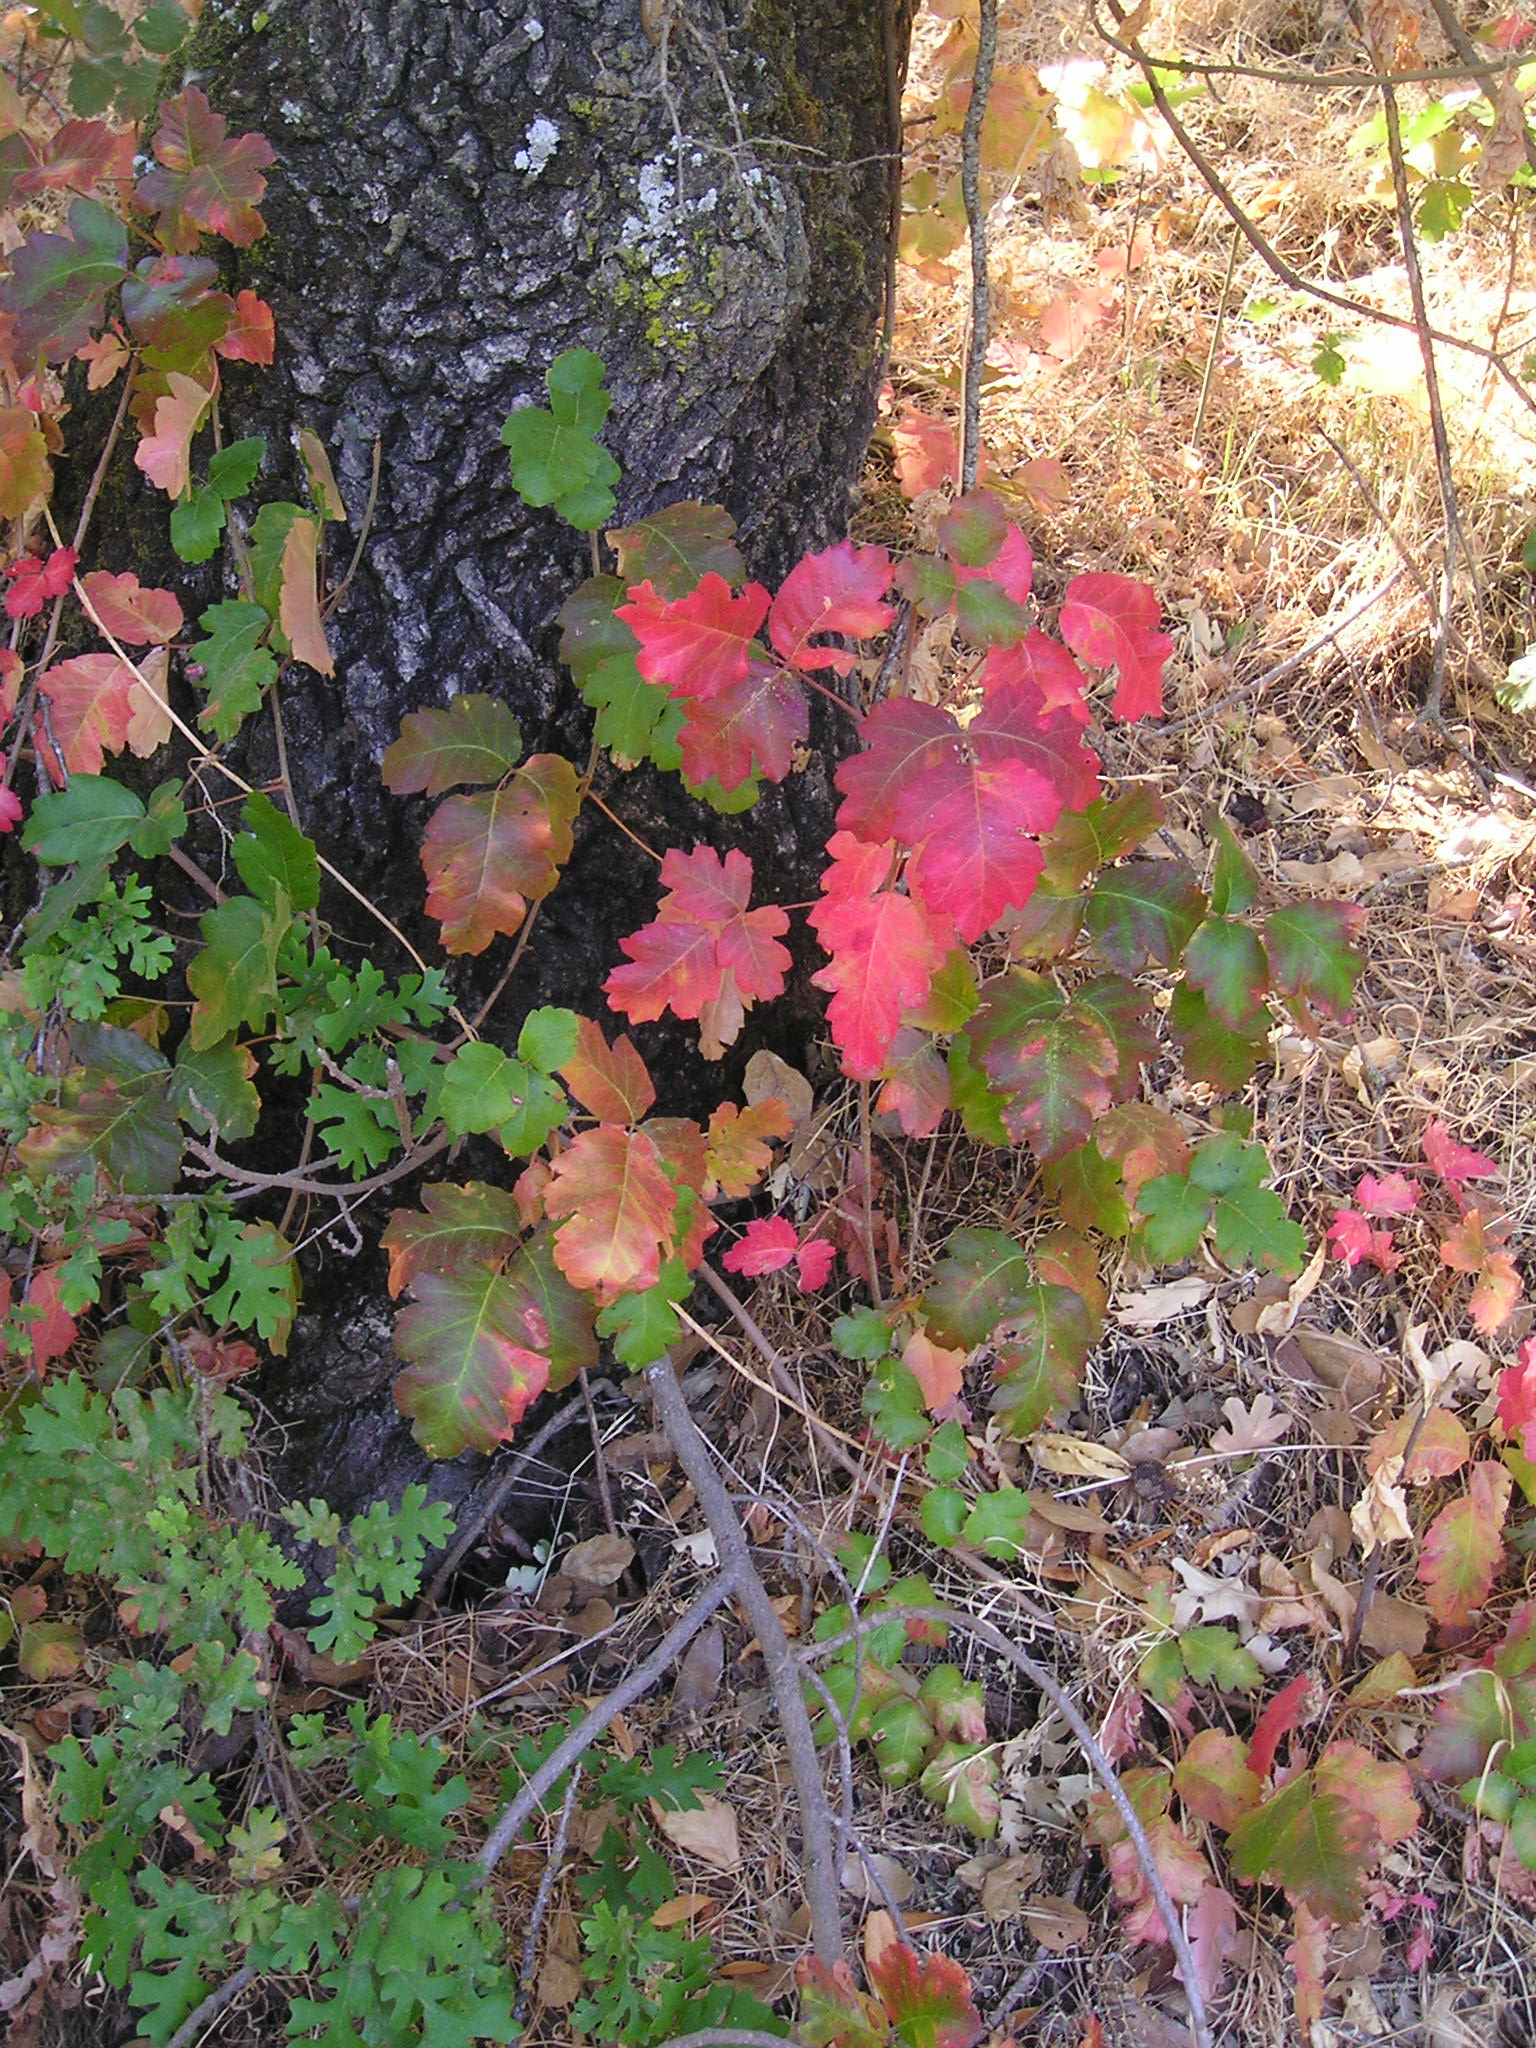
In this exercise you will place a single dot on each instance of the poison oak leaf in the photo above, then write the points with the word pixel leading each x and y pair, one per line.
pixel 58 284
pixel 1112 622
pixel 905 743
pixel 36 581
pixel 476 1352
pixel 1464 1547
pixel 11 812
pixel 50 1328
pixel 251 335
pixel 298 610
pixel 457 1227
pixel 24 471
pixel 475 740
pixel 927 1998
pixel 149 715
pixel 705 954
pixel 674 548
pixel 1478 1247
pixel 1454 1162
pixel 979 859
pixel 487 856
pixel 1392 1194
pixel 1353 1239
pixel 698 645
pixel 90 705
pixel 80 156
pixel 122 607
pixel 813 1263
pixel 767 1245
pixel 609 1081
pixel 884 950
pixel 619 1207
pixel 840 590
pixel 165 455
pixel 737 1145
pixel 914 1083
pixel 751 727
pixel 205 179
pixel 1517 1393
pixel 1039 660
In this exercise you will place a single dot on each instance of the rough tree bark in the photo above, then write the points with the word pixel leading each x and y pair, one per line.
pixel 701 191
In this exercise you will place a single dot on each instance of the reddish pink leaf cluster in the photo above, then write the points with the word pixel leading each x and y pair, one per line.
pixel 35 582
pixel 705 954
pixel 770 1243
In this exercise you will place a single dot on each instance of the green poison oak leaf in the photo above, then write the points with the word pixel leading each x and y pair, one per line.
pixel 1223 1190
pixel 555 457
pixel 983 1277
pixel 205 179
pixel 484 1090
pixel 1143 911
pixel 1112 622
pixel 675 548
pixel 487 856
pixel 1213 1052
pixel 58 284
pixel 237 665
pixel 1225 960
pixel 1087 1190
pixel 275 860
pixel 1042 1347
pixel 457 1227
pixel 884 948
pixel 234 977
pixel 1235 886
pixel 705 955
pixel 1310 957
pixel 1315 1845
pixel 841 590
pixel 1054 1063
pixel 475 1348
pixel 695 646
pixel 893 1402
pixel 24 469
pixel 474 741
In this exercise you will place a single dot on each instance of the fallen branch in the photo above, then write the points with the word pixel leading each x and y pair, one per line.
pixel 817 1852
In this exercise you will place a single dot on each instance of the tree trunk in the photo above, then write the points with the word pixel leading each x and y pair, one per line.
pixel 699 190
pixel 701 193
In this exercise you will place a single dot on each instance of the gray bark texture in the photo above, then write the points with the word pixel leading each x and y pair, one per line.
pixel 700 191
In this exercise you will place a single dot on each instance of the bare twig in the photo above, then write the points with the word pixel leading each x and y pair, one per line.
pixel 976 220
pixel 212 2006
pixel 698 1462
pixel 548 1879
pixel 520 1810
pixel 481 1511
pixel 1455 537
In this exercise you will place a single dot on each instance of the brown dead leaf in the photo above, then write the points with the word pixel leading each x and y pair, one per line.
pixel 686 1906
pixel 708 1832
pixel 1078 1457
pixel 860 1883
pixel 1276 1318
pixel 560 1978
pixel 1057 1924
pixel 1147 1308
pixel 1008 1884
pixel 698 1675
pixel 1394 1627
pixel 601 1560
pixel 1380 1515
pixel 879 1935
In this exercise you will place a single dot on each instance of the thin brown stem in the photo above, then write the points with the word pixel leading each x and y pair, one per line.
pixel 698 1463
pixel 976 220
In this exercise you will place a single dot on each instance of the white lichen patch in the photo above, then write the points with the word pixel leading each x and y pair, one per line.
pixel 533 29
pixel 543 137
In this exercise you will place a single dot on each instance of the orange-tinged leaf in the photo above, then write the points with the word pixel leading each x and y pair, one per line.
pixel 737 1145
pixel 457 1227
pixel 90 705
pixel 24 472
pixel 1315 1845
pixel 298 609
pixel 1442 1447
pixel 937 1370
pixel 1378 1786
pixel 1464 1547
pixel 1213 1778
pixel 926 1998
pixel 165 455
pixel 50 1327
pixel 205 178
pixel 251 336
pixel 609 1081
pixel 121 606
pixel 619 1207
pixel 487 855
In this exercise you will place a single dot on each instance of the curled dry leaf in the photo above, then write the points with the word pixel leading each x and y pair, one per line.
pixel 1380 1515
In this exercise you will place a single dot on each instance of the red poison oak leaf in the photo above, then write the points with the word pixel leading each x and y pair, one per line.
pixel 90 706
pixel 705 954
pixel 926 1998
pixel 130 613
pixel 698 645
pixel 1390 1194
pixel 885 948
pixel 1517 1394
pixel 36 582
pixel 1353 1239
pixel 840 590
pixel 1112 621
pixel 250 336
pixel 750 728
pixel 1454 1162
pixel 767 1245
pixel 1464 1547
